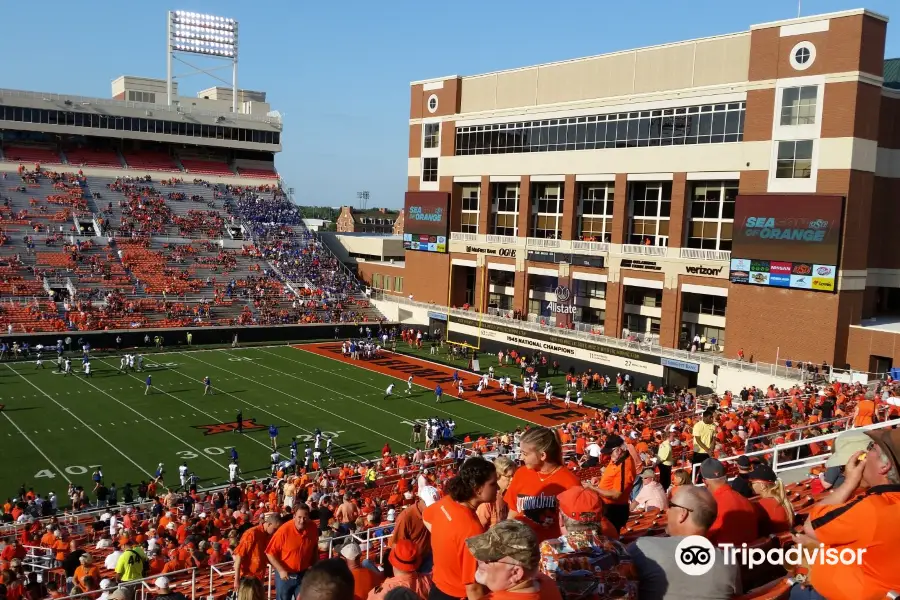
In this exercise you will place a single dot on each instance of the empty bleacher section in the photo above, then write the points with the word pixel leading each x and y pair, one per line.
pixel 195 166
pixel 88 157
pixel 32 155
pixel 151 161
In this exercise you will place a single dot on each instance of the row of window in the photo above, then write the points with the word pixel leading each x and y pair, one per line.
pixel 139 124
pixel 706 124
pixel 387 283
pixel 711 210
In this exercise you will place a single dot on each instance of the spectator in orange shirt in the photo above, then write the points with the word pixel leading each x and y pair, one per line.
pixel 250 554
pixel 865 411
pixel 736 520
pixel 617 480
pixel 87 568
pixel 451 521
pixel 364 580
pixel 293 549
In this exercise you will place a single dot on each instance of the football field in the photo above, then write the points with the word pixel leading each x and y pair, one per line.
pixel 56 429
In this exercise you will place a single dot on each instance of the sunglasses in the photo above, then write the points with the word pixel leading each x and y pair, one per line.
pixel 673 505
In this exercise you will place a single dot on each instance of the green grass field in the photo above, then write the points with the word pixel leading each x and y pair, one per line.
pixel 55 429
pixel 596 398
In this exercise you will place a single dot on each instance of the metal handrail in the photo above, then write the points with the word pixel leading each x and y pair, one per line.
pixel 782 465
pixel 762 368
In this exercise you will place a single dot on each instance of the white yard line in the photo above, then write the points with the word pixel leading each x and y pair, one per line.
pixel 154 423
pixel 35 446
pixel 362 366
pixel 77 418
pixel 403 444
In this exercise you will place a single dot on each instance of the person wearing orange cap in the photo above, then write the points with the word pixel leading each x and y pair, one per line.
pixel 405 559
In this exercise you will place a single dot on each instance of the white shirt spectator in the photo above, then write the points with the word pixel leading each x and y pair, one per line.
pixel 112 559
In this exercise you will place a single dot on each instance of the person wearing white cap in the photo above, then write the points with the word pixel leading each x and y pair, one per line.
pixel 410 525
pixel 391 515
pixel 105 584
pixel 164 591
pixel 364 580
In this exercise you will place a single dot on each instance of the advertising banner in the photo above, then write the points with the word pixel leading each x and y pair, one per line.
pixel 787 241
pixel 427 213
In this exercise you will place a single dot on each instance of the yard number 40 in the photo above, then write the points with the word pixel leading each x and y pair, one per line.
pixel 70 470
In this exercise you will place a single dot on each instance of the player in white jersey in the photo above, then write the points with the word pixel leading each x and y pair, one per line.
pixel 460 388
pixel 39 364
pixel 491 371
pixel 480 387
pixel 183 473
pixel 131 361
pixel 87 370
pixel 515 391
pixel 140 362
pixel 317 456
pixel 307 455
pixel 67 370
pixel 485 381
pixel 123 363
pixel 232 471
pixel 579 398
pixel 568 399
pixel 389 391
pixel 548 393
pixel 409 385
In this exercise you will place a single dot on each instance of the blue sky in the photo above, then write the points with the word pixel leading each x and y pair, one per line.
pixel 340 71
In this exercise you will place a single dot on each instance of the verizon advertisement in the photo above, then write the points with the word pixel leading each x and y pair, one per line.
pixel 788 241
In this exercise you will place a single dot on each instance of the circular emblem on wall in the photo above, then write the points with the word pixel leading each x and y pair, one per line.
pixel 562 293
pixel 432 103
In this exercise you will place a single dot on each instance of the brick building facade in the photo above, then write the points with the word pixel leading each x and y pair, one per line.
pixel 614 179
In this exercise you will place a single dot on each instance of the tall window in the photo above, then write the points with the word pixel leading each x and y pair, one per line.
pixel 590 289
pixel 794 160
pixel 469 217
pixel 712 215
pixel 547 201
pixel 592 316
pixel 506 214
pixel 398 284
pixel 798 105
pixel 501 278
pixel 432 134
pixel 429 169
pixel 596 200
pixel 639 296
pixel 651 204
pixel 704 304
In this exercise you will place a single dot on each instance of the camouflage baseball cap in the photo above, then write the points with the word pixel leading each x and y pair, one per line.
pixel 509 538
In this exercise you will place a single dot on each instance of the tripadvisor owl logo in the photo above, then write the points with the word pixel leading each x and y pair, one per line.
pixel 695 555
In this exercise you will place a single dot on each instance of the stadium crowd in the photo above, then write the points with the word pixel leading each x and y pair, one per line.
pixel 597 509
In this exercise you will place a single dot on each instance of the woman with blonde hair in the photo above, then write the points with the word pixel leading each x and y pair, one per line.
pixel 531 495
pixel 491 513
pixel 679 478
pixel 774 511
pixel 251 588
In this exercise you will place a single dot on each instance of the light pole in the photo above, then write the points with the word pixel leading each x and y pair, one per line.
pixel 363 198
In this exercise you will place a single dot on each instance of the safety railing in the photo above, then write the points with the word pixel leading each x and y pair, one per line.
pixel 582 246
pixel 645 250
pixel 763 369
pixel 787 457
pixel 698 254
pixel 838 424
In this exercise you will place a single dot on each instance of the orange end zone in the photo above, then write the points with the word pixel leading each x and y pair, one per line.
pixel 429 375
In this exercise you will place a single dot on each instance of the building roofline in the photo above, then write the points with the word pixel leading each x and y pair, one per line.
pixel 433 80
pixel 607 54
pixel 831 15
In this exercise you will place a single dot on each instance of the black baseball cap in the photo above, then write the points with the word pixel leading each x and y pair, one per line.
pixel 612 442
pixel 743 462
pixel 712 469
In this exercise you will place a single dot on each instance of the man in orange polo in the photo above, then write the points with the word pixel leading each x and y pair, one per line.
pixel 291 551
pixel 617 480
pixel 250 554
pixel 865 522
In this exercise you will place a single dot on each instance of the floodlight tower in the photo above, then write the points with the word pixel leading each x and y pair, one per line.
pixel 205 35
